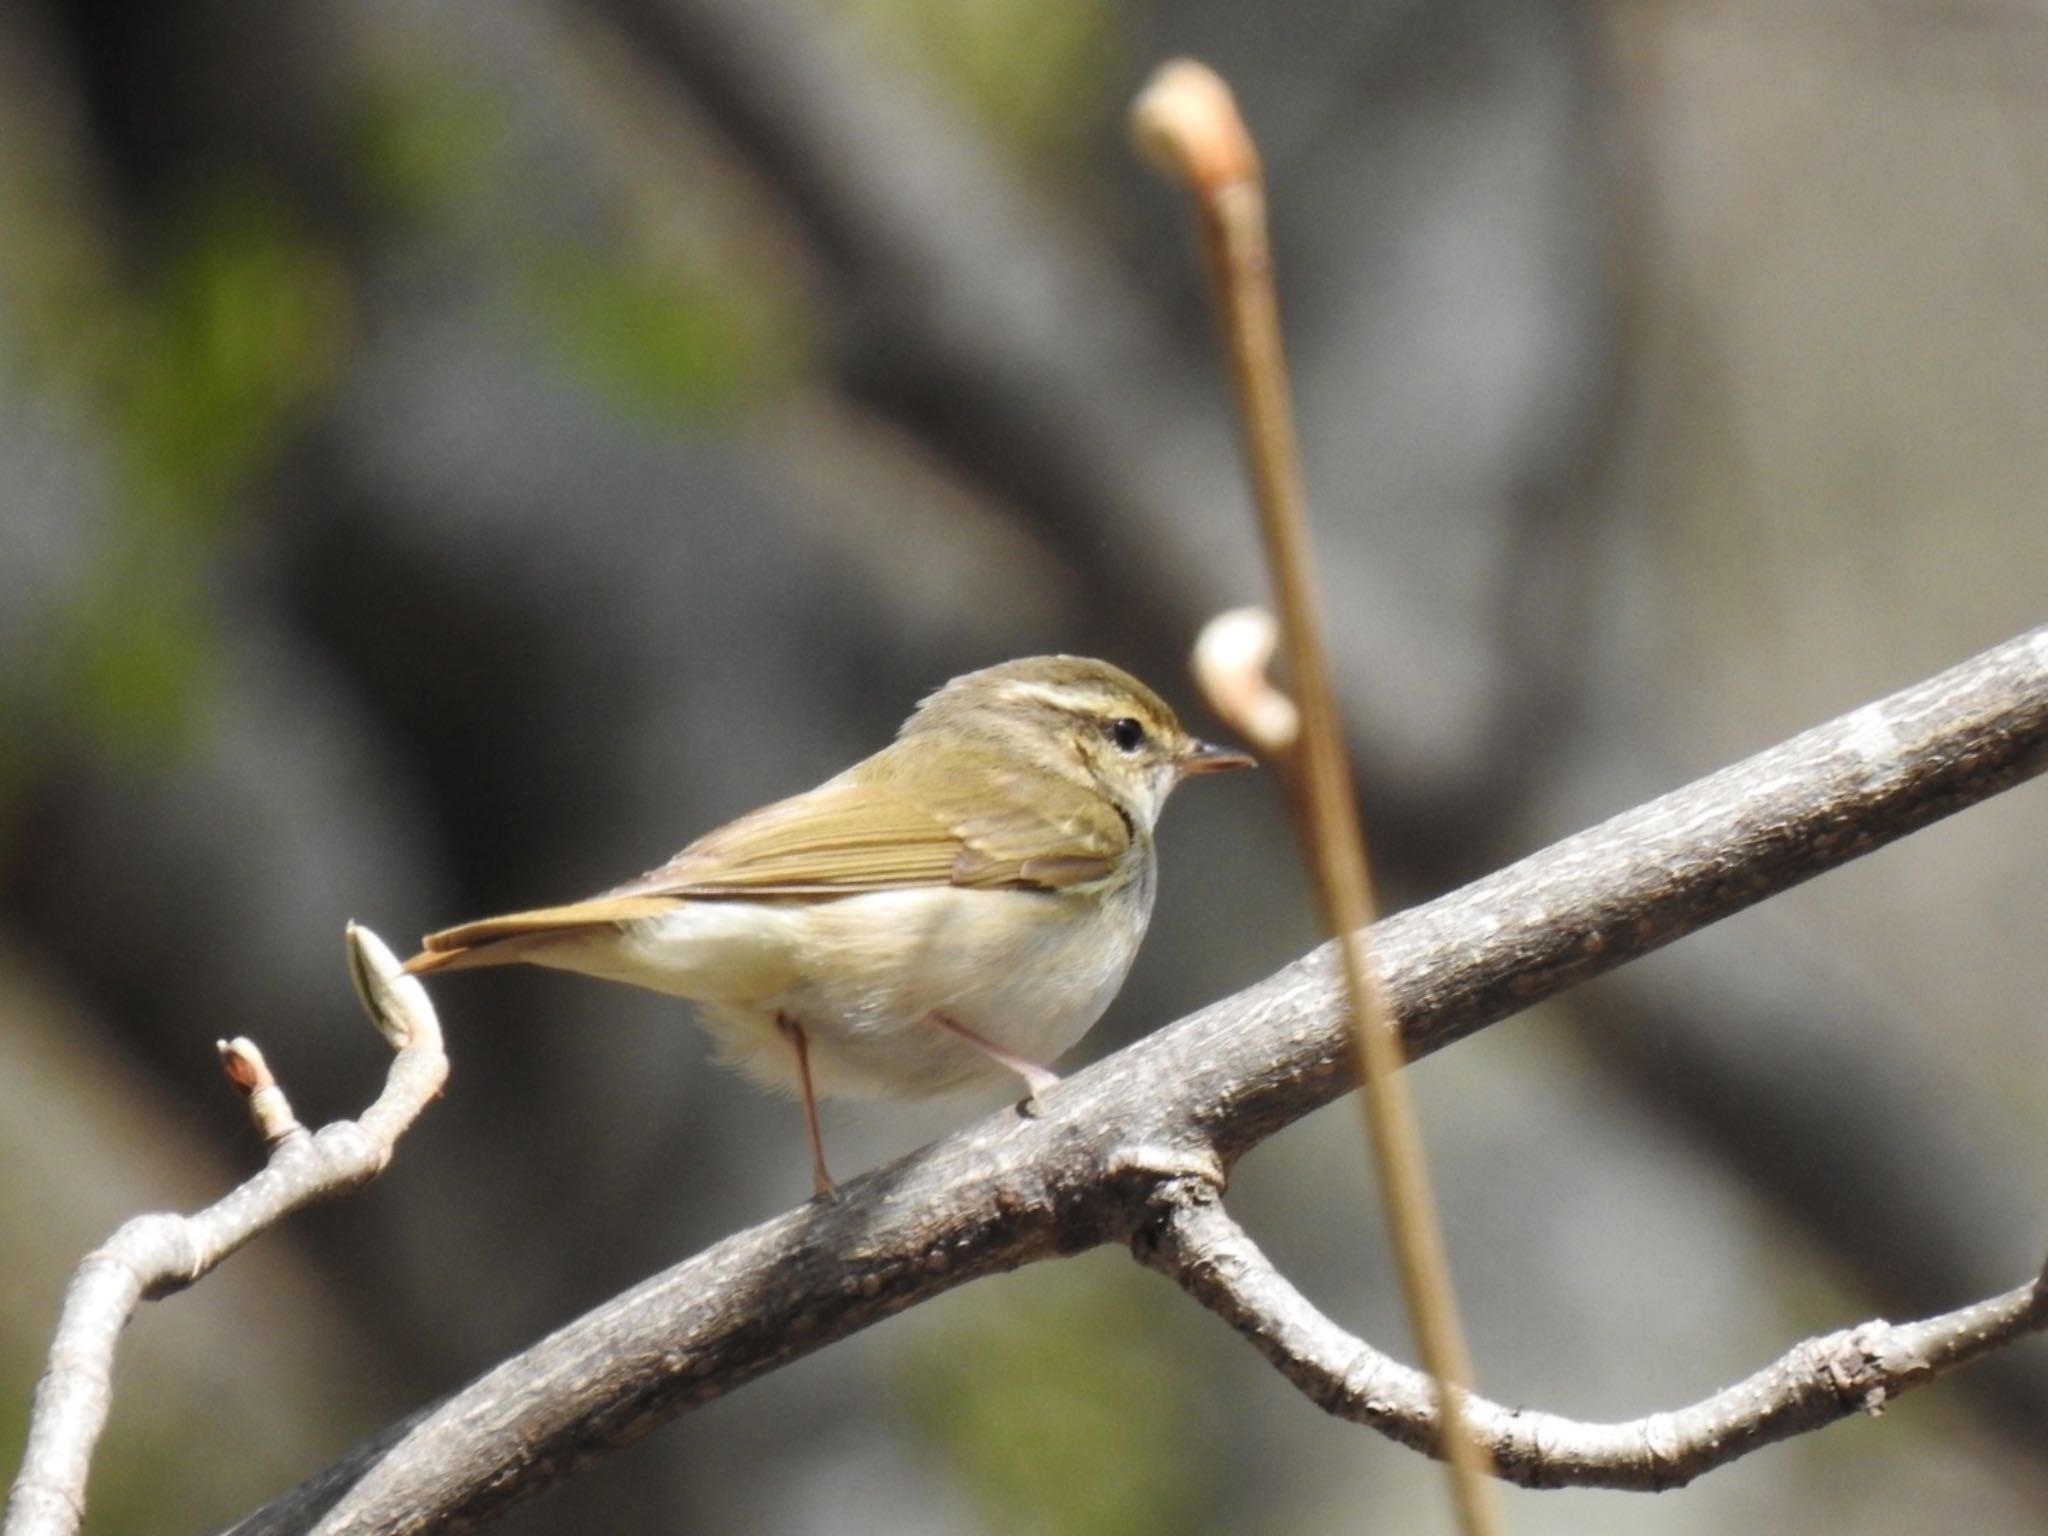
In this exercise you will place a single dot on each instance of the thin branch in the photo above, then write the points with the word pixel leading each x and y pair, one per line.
pixel 1013 343
pixel 152 1256
pixel 1187 120
pixel 1855 1370
pixel 1187 1100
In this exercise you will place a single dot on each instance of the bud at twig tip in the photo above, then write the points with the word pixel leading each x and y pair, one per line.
pixel 244 1064
pixel 1230 659
pixel 385 991
pixel 1187 123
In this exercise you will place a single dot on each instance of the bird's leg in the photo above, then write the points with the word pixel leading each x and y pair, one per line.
pixel 1036 1078
pixel 793 1032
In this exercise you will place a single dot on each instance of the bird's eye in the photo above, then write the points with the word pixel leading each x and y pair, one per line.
pixel 1127 734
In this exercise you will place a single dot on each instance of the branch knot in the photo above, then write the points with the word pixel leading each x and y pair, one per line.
pixel 1173 1183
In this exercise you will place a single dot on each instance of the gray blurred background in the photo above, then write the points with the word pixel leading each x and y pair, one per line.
pixel 451 455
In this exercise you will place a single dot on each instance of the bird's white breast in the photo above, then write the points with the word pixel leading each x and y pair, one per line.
pixel 1031 971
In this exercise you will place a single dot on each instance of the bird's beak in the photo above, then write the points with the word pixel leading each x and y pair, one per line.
pixel 1201 757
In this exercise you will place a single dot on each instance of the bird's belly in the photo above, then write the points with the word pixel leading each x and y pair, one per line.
pixel 1029 971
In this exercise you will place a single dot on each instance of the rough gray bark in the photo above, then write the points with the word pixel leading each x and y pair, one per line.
pixel 1103 1159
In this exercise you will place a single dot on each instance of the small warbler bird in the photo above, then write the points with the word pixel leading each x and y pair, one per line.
pixel 962 904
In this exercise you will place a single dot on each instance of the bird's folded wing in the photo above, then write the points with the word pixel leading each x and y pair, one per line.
pixel 850 836
pixel 843 838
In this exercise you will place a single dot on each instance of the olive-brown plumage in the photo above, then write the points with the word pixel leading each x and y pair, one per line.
pixel 964 902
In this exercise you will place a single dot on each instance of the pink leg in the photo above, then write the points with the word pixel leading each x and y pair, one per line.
pixel 1036 1078
pixel 793 1032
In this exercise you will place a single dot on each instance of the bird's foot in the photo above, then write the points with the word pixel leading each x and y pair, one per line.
pixel 1036 1078
pixel 793 1032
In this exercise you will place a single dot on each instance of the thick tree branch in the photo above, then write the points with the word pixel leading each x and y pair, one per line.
pixel 1186 1101
pixel 1009 342
pixel 152 1256
pixel 1856 1370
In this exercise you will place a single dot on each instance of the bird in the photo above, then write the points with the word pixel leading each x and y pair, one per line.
pixel 960 906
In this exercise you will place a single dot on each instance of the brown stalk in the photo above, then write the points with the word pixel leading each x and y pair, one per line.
pixel 1187 122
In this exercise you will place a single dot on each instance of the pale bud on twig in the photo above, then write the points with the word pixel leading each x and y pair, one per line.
pixel 1186 123
pixel 249 1074
pixel 1230 659
pixel 395 1001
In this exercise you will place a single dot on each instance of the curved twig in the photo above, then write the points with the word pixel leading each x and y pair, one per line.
pixel 1855 1370
pixel 152 1256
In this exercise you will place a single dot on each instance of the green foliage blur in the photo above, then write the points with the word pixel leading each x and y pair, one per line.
pixel 1034 75
pixel 1066 1401
pixel 192 375
pixel 673 326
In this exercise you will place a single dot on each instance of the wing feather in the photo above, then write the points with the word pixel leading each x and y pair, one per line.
pixel 852 836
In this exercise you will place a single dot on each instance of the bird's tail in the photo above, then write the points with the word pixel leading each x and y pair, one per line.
pixel 516 936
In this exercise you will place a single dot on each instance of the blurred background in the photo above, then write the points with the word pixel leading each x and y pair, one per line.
pixel 452 455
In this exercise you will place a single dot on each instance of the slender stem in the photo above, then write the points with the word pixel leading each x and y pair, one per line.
pixel 152 1256
pixel 1860 1369
pixel 1187 118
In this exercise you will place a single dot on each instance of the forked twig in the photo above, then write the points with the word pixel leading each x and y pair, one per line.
pixel 152 1256
pixel 1816 1382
